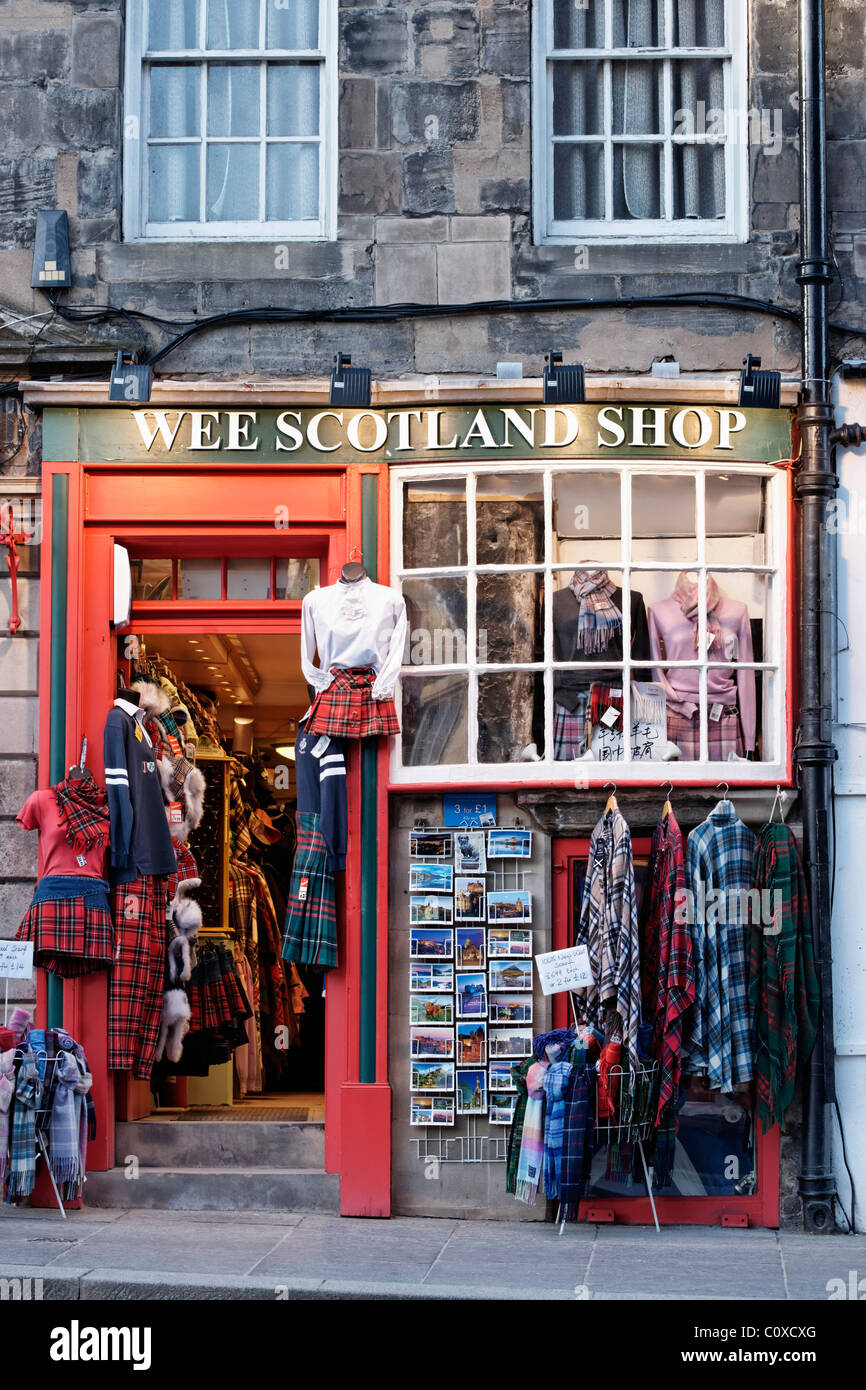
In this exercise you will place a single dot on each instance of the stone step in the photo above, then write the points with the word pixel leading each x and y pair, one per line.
pixel 216 1189
pixel 220 1144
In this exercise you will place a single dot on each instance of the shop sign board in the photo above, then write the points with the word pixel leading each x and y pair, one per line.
pixel 468 810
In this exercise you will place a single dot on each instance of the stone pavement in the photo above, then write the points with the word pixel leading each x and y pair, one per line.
pixel 169 1255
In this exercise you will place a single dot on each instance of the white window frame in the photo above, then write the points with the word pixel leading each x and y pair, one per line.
pixel 624 771
pixel 734 228
pixel 136 226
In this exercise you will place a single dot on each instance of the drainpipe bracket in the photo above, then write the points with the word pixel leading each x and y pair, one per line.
pixel 815 753
pixel 815 270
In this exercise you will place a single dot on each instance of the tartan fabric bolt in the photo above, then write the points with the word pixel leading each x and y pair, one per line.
pixel 719 859
pixel 310 934
pixel 569 729
pixel 608 928
pixel 724 735
pixel 347 708
pixel 71 936
pixel 667 968
pixel 601 698
pixel 137 977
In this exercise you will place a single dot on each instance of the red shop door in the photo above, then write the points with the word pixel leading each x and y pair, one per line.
pixel 719 1172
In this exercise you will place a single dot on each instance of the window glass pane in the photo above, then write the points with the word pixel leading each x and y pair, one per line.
pixel 578 182
pixel 199 578
pixel 151 579
pixel 295 578
pixel 436 609
pixel 507 722
pixel 640 23
pixel 699 181
pixel 173 183
pixel 434 524
pixel 293 98
pixel 508 613
pixel 736 505
pixel 172 25
pixel 637 98
pixel 248 578
pixel 293 24
pixel 293 182
pixel 233 23
pixel 578 99
pixel 637 174
pixel 698 25
pixel 663 520
pixel 578 25
pixel 435 720
pixel 233 99
pixel 586 510
pixel 509 517
pixel 233 183
pixel 174 99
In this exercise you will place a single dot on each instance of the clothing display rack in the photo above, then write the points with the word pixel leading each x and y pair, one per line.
pixel 46 1066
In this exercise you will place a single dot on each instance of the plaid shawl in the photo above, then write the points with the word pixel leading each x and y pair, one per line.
pixel 686 595
pixel 515 1134
pixel 599 619
pixel 83 807
pixel 555 1085
pixel 532 1141
pixel 7 1091
pixel 28 1090
pixel 608 928
pixel 667 968
pixel 65 1126
pixel 783 986
pixel 578 1139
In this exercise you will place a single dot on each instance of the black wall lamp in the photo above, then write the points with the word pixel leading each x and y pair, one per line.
pixel 761 389
pixel 563 385
pixel 350 385
pixel 130 381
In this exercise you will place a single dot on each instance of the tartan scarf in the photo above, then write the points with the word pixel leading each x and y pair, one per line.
pixel 7 1091
pixel 515 1133
pixel 667 968
pixel 783 985
pixel 555 1085
pixel 65 1124
pixel 532 1140
pixel 686 595
pixel 578 1140
pixel 599 619
pixel 608 928
pixel 28 1090
pixel 600 698
pixel 83 807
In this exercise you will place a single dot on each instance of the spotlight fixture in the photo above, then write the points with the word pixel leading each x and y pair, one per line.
pixel 130 381
pixel 52 268
pixel 760 389
pixel 563 385
pixel 350 385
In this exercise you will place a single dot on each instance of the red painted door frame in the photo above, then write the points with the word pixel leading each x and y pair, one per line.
pixel 762 1207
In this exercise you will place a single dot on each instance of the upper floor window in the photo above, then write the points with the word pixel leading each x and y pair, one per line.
pixel 640 126
pixel 230 119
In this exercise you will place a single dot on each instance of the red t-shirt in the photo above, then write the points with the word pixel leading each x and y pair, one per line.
pixel 40 812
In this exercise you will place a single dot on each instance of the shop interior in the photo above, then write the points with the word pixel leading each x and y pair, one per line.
pixel 257 1026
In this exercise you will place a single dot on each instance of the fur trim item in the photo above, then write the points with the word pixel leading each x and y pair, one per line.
pixel 151 696
pixel 174 1026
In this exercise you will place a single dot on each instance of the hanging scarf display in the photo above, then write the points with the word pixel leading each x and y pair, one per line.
pixel 599 619
pixel 783 986
pixel 578 1131
pixel 667 968
pixel 64 1128
pixel 515 1133
pixel 608 928
pixel 532 1140
pixel 555 1085
pixel 83 807
pixel 686 593
pixel 28 1091
pixel 7 1091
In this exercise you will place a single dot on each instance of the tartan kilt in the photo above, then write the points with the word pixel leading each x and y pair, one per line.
pixel 569 730
pixel 71 936
pixel 138 974
pixel 310 933
pixel 215 995
pixel 347 708
pixel 724 735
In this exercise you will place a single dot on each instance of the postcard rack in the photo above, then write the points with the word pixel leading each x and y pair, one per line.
pixel 471 1147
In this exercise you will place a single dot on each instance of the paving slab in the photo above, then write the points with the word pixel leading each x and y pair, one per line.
pixel 223 1249
pixel 811 1263
pixel 638 1267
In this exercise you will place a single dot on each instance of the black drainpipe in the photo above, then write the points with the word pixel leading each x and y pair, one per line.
pixel 816 485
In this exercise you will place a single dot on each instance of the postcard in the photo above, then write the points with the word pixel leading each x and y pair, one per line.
pixel 430 878
pixel 510 975
pixel 503 843
pixel 469 852
pixel 470 947
pixel 431 844
pixel 510 1008
pixel 431 1110
pixel 501 1077
pixel 431 907
pixel 469 903
pixel 513 905
pixel 472 1044
pixel 509 1042
pixel 509 941
pixel 431 1042
pixel 502 1109
pixel 428 943
pixel 472 995
pixel 434 977
pixel 432 1076
pixel 431 1008
pixel 471 1092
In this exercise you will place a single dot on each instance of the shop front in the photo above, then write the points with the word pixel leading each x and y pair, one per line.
pixel 600 604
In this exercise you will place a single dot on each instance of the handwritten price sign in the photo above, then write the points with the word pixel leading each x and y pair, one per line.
pixel 562 970
pixel 16 960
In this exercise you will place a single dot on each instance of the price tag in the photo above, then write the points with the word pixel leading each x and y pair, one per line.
pixel 302 889
pixel 320 745
pixel 16 960
pixel 610 716
pixel 716 712
pixel 175 812
pixel 616 692
pixel 80 860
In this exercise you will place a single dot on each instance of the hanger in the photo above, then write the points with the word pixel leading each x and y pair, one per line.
pixel 719 786
pixel 611 800
pixel 352 571
pixel 80 773
pixel 778 800
pixel 667 809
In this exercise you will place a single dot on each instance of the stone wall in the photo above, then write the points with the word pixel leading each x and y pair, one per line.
pixel 434 202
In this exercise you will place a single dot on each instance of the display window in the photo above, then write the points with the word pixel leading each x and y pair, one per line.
pixel 567 616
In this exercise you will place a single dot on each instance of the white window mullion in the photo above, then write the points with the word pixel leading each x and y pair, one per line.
pixel 471 619
pixel 263 131
pixel 548 615
pixel 668 154
pixel 625 556
pixel 701 526
pixel 203 117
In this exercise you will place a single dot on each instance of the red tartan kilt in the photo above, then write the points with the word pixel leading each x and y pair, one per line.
pixel 70 937
pixel 347 708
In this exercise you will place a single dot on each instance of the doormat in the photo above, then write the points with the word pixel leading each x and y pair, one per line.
pixel 248 1112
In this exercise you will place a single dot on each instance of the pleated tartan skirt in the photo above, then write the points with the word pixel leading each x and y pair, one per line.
pixel 310 934
pixel 347 708
pixel 724 735
pixel 71 936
